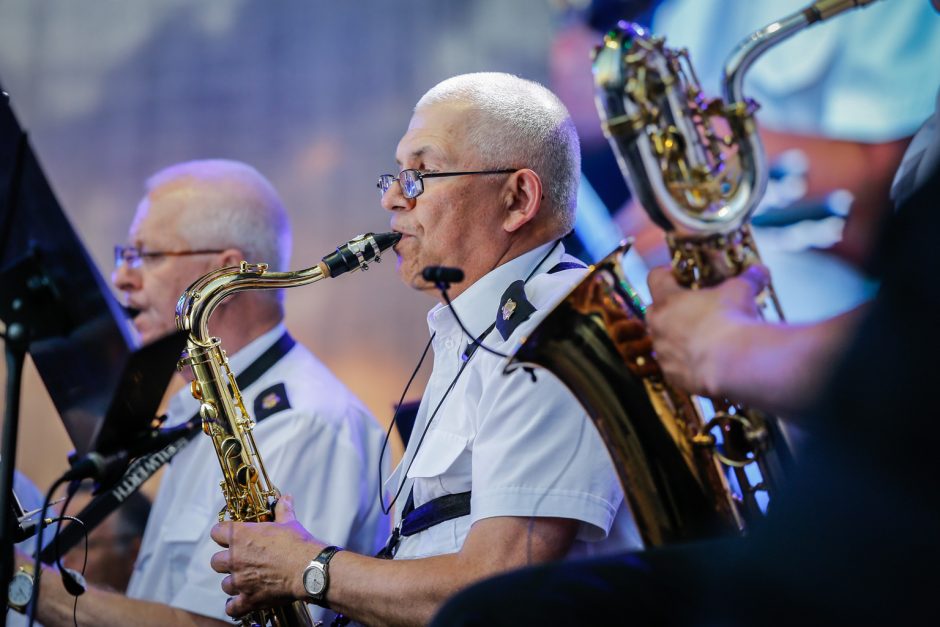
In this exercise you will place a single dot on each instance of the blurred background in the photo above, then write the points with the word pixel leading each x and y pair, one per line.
pixel 314 94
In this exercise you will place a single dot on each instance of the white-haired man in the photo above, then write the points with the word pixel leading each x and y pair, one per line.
pixel 500 471
pixel 314 436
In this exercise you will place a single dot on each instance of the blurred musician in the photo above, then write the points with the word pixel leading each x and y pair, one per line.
pixel 195 217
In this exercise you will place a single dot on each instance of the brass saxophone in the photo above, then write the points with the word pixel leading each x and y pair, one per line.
pixel 249 494
pixel 670 448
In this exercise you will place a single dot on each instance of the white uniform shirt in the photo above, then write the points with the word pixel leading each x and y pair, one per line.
pixel 323 449
pixel 523 448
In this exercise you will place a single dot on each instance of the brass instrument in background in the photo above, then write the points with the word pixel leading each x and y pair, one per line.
pixel 249 494
pixel 671 449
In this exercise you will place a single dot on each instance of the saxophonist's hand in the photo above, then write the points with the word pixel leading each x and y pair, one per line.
pixel 263 561
pixel 696 332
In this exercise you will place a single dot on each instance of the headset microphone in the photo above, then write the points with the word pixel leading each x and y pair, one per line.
pixel 442 275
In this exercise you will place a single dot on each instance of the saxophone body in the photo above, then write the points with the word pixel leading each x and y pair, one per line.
pixel 248 492
pixel 690 467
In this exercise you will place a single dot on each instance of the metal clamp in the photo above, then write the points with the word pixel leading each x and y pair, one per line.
pixel 357 246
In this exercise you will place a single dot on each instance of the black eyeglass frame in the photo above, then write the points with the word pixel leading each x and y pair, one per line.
pixel 420 176
pixel 138 256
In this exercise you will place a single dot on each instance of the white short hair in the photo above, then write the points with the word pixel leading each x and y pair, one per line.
pixel 233 206
pixel 522 124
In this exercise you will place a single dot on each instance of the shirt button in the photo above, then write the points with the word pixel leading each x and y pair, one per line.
pixel 449 344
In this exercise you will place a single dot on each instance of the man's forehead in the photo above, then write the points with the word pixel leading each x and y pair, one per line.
pixel 417 153
pixel 435 132
pixel 155 220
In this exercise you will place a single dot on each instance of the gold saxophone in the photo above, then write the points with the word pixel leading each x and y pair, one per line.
pixel 671 449
pixel 249 494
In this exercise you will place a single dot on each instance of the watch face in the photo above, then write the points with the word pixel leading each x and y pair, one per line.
pixel 314 580
pixel 21 589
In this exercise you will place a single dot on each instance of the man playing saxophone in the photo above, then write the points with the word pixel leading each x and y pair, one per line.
pixel 500 471
pixel 196 217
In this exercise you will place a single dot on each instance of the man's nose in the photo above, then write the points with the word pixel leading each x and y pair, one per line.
pixel 125 279
pixel 394 200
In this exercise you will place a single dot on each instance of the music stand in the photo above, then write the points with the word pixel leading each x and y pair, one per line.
pixel 57 307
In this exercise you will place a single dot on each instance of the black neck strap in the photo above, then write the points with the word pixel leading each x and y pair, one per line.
pixel 142 468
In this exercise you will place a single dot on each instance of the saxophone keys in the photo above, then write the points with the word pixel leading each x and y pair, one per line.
pixel 231 448
pixel 246 475
pixel 208 412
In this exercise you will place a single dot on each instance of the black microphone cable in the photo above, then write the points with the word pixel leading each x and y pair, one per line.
pixel 394 421
pixel 73 582
pixel 443 276
pixel 37 566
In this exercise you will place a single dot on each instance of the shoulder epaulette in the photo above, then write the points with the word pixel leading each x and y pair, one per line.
pixel 271 401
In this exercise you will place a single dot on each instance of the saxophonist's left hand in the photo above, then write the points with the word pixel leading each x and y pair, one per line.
pixel 263 561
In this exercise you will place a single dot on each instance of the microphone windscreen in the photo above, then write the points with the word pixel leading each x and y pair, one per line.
pixel 442 274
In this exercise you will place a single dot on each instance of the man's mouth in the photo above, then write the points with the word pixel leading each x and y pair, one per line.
pixel 404 237
pixel 131 312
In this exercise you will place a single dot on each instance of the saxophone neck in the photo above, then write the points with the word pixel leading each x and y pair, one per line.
pixel 758 42
pixel 201 299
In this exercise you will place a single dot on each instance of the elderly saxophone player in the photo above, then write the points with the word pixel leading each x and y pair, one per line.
pixel 500 471
pixel 315 435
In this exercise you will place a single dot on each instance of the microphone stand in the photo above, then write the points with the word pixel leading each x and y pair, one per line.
pixel 32 311
pixel 16 342
pixel 15 349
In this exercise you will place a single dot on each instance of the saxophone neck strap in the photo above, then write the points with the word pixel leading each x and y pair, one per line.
pixel 144 467
pixel 265 361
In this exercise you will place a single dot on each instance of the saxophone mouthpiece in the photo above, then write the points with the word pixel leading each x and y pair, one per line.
pixel 357 252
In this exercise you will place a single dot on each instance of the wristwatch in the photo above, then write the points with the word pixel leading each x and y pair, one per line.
pixel 20 591
pixel 317 575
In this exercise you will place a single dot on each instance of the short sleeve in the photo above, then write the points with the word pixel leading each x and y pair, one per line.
pixel 536 453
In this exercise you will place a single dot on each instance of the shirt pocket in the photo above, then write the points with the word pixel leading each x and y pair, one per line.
pixel 179 540
pixel 444 455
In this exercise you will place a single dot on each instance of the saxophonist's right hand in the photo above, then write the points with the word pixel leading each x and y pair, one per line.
pixel 696 332
pixel 263 561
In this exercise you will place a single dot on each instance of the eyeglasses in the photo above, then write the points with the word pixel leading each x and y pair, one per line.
pixel 412 181
pixel 133 256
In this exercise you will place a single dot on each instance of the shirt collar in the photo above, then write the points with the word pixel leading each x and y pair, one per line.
pixel 182 406
pixel 477 305
pixel 253 350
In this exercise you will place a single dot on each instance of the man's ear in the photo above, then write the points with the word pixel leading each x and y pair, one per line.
pixel 233 257
pixel 523 198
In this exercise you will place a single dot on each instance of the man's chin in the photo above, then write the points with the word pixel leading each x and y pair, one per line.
pixel 148 333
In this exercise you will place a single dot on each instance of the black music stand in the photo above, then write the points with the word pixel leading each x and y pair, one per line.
pixel 57 307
